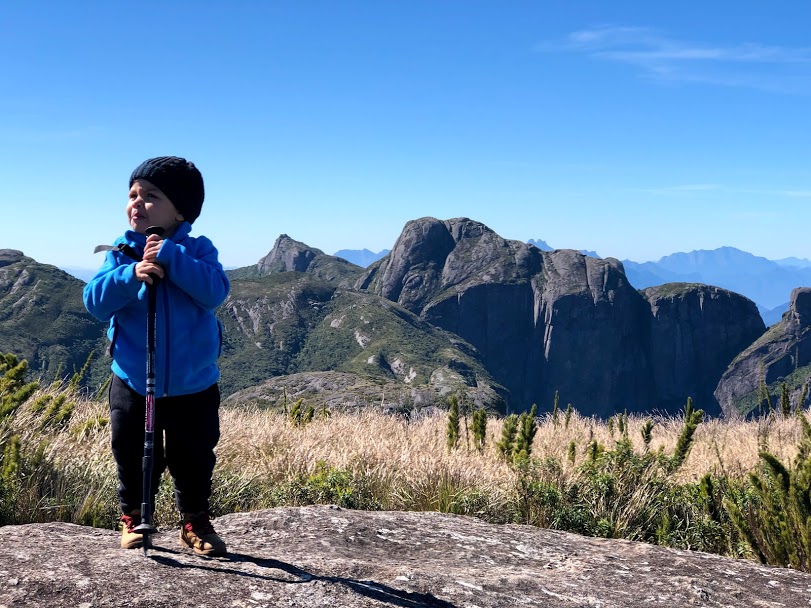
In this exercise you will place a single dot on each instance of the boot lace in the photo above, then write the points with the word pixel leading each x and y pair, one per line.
pixel 130 522
pixel 200 525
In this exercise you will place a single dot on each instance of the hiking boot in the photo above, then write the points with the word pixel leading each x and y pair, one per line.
pixel 129 538
pixel 197 533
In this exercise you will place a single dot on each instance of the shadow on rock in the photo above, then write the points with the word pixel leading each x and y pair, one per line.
pixel 370 589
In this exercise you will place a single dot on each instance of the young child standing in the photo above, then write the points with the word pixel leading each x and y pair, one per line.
pixel 168 192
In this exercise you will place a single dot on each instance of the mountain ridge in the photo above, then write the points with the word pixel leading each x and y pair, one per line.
pixel 455 306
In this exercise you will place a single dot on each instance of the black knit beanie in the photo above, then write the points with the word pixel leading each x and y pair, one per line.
pixel 178 179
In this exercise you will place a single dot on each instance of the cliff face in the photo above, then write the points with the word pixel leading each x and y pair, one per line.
pixel 780 356
pixel 696 330
pixel 561 321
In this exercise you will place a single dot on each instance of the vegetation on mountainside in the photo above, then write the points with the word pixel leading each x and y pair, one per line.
pixel 266 322
pixel 671 290
pixel 43 320
pixel 293 322
pixel 720 485
pixel 770 396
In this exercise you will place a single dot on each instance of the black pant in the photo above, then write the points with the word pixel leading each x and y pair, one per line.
pixel 192 427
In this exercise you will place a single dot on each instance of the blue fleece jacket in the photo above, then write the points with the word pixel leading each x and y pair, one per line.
pixel 188 336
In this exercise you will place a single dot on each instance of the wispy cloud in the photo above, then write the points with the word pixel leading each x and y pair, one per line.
pixel 753 65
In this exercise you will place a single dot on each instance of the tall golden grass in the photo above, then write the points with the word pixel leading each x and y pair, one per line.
pixel 404 462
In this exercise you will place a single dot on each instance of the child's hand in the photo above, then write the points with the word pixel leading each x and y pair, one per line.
pixel 143 269
pixel 153 245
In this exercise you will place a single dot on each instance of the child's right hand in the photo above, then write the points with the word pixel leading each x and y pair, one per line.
pixel 145 268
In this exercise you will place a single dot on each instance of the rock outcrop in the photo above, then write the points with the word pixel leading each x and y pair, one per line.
pixel 11 256
pixel 338 391
pixel 324 556
pixel 781 355
pixel 560 321
pixel 289 255
pixel 696 330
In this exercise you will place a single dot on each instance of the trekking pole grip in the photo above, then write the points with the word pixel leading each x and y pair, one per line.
pixel 159 230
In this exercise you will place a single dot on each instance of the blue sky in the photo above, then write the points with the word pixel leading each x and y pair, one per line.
pixel 635 129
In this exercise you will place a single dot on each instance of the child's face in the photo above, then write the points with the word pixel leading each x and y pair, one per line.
pixel 148 206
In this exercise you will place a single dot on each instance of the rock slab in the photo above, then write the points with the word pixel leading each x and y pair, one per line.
pixel 326 556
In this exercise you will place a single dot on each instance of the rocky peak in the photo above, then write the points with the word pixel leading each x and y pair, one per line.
pixel 433 256
pixel 464 228
pixel 288 255
pixel 800 306
pixel 561 321
pixel 11 256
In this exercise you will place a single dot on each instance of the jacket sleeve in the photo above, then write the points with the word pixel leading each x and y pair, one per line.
pixel 199 274
pixel 113 287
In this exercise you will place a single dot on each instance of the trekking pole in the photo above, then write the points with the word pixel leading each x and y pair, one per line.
pixel 146 528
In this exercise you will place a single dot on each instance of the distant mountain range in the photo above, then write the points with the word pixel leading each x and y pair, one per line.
pixel 454 307
pixel 361 257
pixel 544 246
pixel 766 282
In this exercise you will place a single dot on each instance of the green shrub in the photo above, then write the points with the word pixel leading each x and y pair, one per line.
pixel 479 429
pixel 327 485
pixel 452 431
pixel 506 444
pixel 776 521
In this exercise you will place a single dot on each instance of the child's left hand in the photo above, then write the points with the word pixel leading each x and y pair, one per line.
pixel 152 247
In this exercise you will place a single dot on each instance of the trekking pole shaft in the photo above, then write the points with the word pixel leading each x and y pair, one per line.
pixel 146 528
pixel 149 423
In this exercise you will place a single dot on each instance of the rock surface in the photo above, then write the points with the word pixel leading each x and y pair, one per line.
pixel 782 354
pixel 289 255
pixel 341 391
pixel 560 321
pixel 325 556
pixel 696 330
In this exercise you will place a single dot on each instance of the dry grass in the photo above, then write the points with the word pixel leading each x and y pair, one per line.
pixel 405 464
pixel 395 451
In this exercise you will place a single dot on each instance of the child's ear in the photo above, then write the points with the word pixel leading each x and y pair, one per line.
pixel 180 217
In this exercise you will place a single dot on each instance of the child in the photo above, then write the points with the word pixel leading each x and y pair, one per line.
pixel 168 192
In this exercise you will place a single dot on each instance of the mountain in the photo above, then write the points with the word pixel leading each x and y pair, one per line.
pixel 764 281
pixel 43 318
pixel 771 316
pixel 453 307
pixel 360 257
pixel 544 246
pixel 561 322
pixel 293 314
pixel 288 255
pixel 781 355
pixel 794 262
